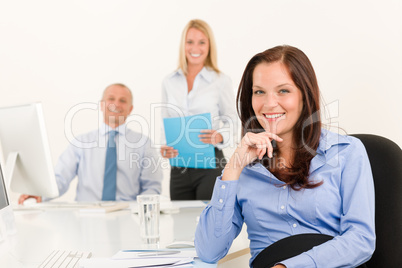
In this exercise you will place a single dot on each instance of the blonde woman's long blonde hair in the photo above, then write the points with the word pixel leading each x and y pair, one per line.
pixel 212 60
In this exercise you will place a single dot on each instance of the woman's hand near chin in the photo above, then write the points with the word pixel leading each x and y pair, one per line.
pixel 251 147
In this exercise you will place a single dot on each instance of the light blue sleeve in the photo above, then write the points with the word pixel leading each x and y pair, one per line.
pixel 356 240
pixel 66 168
pixel 151 173
pixel 219 224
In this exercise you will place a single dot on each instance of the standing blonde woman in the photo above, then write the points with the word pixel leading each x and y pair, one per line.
pixel 198 87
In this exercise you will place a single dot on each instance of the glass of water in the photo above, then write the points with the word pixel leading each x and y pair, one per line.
pixel 148 211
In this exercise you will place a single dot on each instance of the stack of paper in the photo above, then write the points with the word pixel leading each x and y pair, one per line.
pixel 104 207
pixel 144 258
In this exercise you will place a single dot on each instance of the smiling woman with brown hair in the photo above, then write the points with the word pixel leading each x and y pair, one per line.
pixel 290 176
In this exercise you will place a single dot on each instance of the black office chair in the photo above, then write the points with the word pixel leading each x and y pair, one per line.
pixel 386 164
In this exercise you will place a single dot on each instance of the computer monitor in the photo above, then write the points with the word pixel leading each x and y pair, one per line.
pixel 7 224
pixel 3 193
pixel 25 149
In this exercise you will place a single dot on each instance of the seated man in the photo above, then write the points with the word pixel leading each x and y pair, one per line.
pixel 112 162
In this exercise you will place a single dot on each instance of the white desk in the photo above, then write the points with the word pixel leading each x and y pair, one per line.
pixel 40 232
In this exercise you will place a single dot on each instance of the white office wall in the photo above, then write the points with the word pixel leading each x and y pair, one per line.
pixel 63 53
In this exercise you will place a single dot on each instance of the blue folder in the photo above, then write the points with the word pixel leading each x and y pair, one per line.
pixel 182 134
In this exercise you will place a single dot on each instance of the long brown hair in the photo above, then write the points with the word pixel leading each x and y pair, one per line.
pixel 307 129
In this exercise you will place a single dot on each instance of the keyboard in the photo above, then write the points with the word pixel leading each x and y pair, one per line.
pixel 53 205
pixel 64 259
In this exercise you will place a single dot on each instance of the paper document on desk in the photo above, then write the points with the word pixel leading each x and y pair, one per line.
pixel 166 207
pixel 153 262
pixel 104 207
pixel 190 204
pixel 157 253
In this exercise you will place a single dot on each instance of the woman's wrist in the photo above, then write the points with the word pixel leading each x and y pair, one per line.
pixel 232 170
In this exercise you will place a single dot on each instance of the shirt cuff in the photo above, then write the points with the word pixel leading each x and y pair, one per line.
pixel 224 194
pixel 226 140
pixel 300 261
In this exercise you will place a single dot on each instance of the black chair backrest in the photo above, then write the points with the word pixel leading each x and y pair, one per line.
pixel 287 248
pixel 386 164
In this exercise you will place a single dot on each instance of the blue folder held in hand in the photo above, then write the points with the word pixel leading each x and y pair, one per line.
pixel 182 134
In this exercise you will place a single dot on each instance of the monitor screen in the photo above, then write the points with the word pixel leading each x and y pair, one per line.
pixel 3 194
pixel 7 223
pixel 26 151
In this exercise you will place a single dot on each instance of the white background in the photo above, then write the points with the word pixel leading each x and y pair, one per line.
pixel 63 53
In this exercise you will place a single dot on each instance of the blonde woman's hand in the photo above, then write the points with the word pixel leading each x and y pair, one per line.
pixel 168 152
pixel 210 136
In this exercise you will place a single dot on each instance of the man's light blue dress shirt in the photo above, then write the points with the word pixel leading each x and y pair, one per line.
pixel 138 165
pixel 343 207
